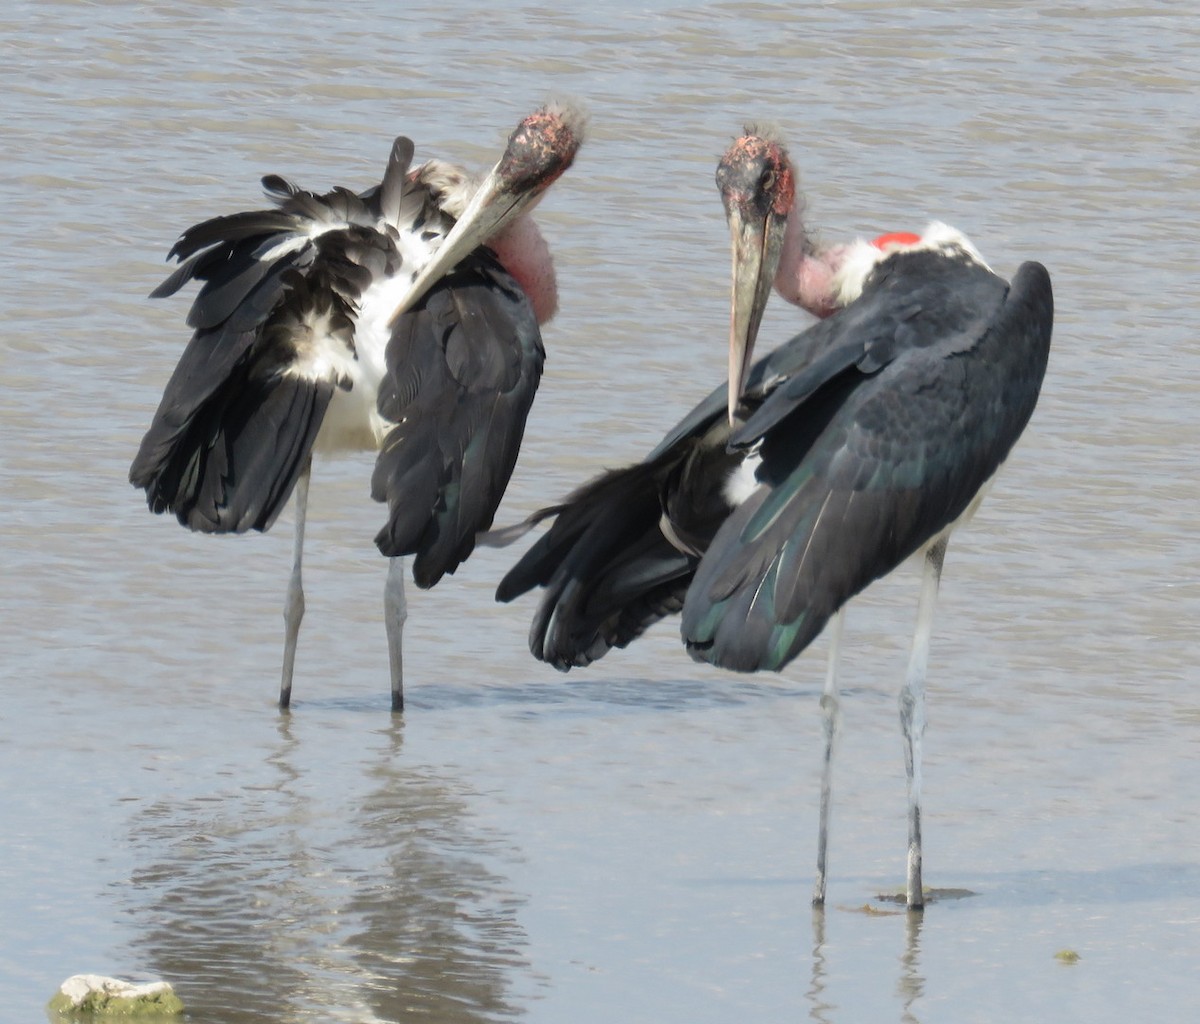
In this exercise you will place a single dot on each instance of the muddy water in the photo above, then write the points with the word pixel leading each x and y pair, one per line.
pixel 634 842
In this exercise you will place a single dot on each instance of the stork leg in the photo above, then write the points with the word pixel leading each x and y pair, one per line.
pixel 831 717
pixel 912 714
pixel 395 612
pixel 293 608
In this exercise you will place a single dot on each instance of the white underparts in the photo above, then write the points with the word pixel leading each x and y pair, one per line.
pixel 743 479
pixel 320 354
pixel 352 420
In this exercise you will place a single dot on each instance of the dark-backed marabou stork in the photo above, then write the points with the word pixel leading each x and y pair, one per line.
pixel 372 320
pixel 819 469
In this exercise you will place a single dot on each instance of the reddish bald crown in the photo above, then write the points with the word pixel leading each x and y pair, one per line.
pixel 541 148
pixel 755 176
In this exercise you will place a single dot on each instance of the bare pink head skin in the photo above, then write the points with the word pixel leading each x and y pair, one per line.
pixel 539 150
pixel 806 273
pixel 758 191
pixel 525 255
pixel 823 279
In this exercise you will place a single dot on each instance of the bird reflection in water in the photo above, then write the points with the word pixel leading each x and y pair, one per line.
pixel 910 983
pixel 323 887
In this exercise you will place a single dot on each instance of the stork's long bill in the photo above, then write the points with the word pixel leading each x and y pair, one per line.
pixel 539 150
pixel 758 190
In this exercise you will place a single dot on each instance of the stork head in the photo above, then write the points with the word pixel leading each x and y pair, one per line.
pixel 758 189
pixel 539 150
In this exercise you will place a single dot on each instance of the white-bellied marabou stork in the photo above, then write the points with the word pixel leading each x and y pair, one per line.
pixel 819 469
pixel 403 318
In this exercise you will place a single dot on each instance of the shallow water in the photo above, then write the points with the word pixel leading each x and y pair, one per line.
pixel 633 842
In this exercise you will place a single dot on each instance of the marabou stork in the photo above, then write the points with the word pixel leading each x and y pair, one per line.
pixel 402 319
pixel 819 469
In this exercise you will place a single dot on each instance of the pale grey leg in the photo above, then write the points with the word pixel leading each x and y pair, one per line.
pixel 395 612
pixel 912 714
pixel 831 717
pixel 293 608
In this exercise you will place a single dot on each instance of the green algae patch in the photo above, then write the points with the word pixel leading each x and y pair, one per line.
pixel 870 911
pixel 931 895
pixel 98 997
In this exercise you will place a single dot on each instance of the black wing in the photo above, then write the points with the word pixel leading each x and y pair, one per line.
pixel 463 368
pixel 622 550
pixel 239 416
pixel 865 461
pixel 608 570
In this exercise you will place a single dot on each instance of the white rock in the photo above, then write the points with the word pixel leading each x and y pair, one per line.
pixel 81 988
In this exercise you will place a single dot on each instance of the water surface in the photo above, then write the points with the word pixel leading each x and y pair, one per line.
pixel 633 842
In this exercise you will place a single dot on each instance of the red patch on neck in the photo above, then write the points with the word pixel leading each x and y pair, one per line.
pixel 895 239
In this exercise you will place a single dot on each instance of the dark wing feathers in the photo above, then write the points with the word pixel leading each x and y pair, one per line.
pixel 608 571
pixel 764 378
pixel 463 367
pixel 242 475
pixel 910 445
pixel 234 428
pixel 277 187
pixel 227 296
pixel 240 414
pixel 229 228
pixel 237 421
pixel 392 188
pixel 583 618
pixel 893 316
pixel 876 428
